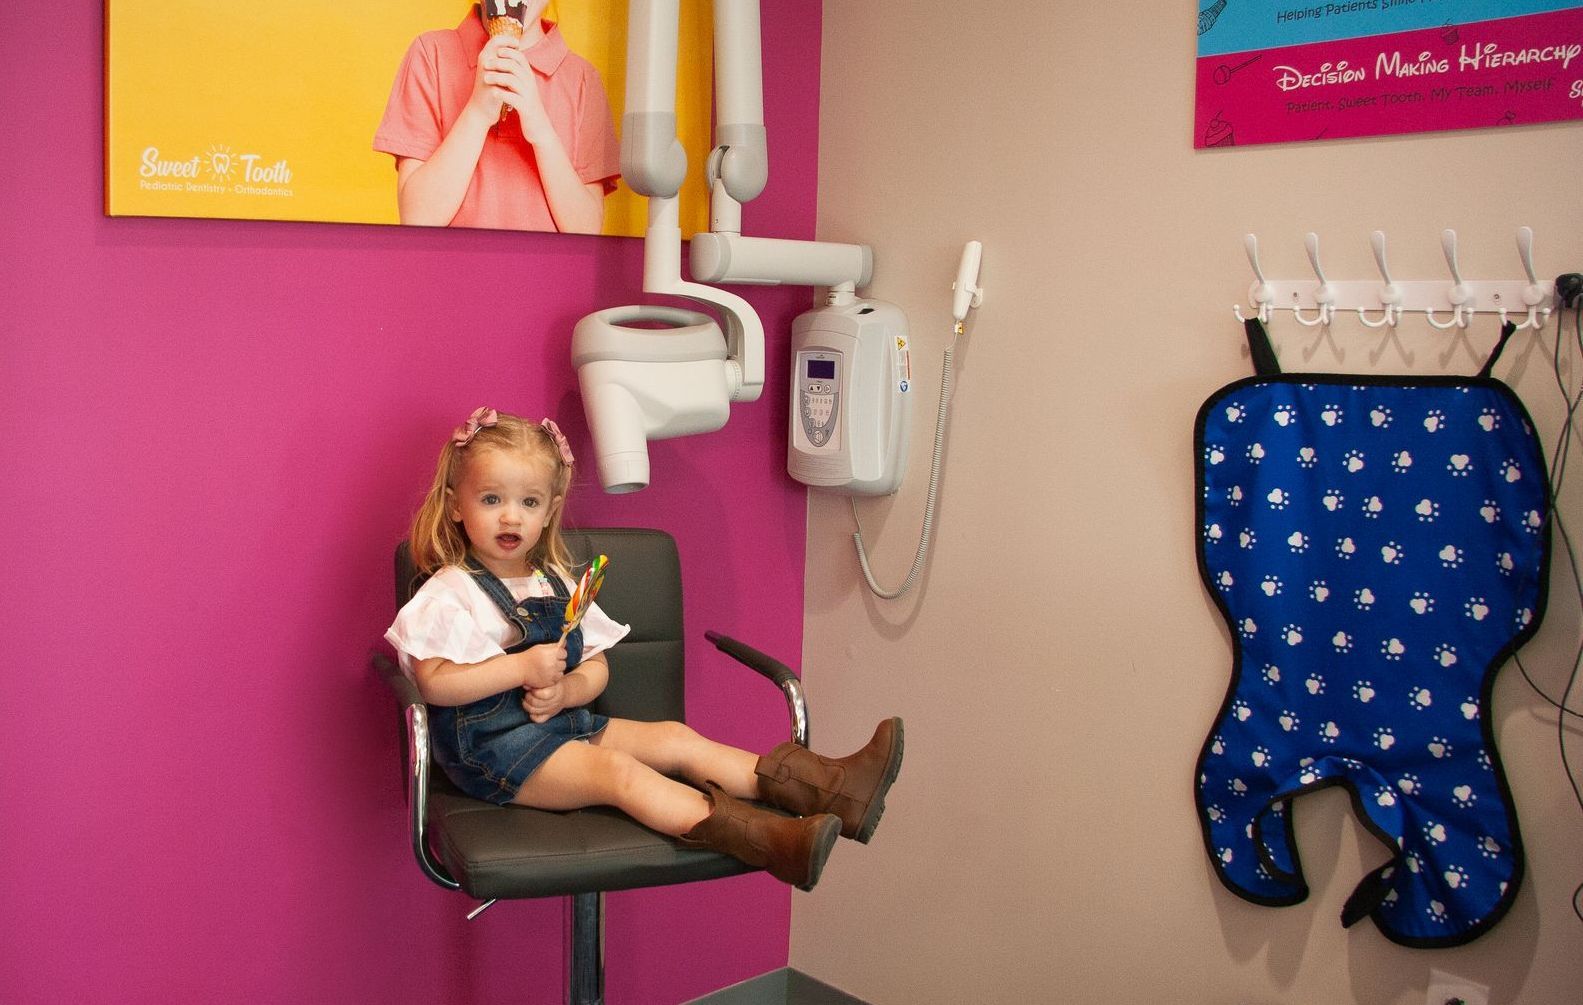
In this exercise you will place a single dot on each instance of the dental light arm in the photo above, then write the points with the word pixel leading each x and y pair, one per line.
pixel 648 373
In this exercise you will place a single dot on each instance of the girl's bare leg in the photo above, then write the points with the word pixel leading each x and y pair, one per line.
pixel 673 748
pixel 585 774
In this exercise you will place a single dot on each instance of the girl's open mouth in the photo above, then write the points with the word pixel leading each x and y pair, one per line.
pixel 508 541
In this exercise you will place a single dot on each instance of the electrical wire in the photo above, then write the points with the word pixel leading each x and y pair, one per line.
pixel 925 535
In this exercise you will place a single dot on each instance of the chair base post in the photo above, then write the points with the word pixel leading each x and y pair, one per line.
pixel 586 974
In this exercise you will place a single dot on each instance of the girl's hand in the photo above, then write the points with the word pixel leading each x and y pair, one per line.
pixel 488 98
pixel 543 665
pixel 512 74
pixel 544 703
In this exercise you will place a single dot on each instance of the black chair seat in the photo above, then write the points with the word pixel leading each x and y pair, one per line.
pixel 512 851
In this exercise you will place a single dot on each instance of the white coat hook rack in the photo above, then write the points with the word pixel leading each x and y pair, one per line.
pixel 1445 304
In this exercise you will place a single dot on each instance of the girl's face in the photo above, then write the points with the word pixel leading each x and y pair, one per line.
pixel 503 501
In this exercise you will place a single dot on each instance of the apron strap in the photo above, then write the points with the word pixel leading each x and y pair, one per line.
pixel 1264 362
pixel 1500 346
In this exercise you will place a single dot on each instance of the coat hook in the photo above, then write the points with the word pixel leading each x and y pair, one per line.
pixel 1262 293
pixel 1533 293
pixel 1325 294
pixel 1391 294
pixel 1458 294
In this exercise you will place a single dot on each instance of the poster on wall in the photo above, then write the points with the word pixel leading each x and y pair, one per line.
pixel 307 110
pixel 1277 71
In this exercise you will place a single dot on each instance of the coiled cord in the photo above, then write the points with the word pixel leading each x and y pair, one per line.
pixel 924 535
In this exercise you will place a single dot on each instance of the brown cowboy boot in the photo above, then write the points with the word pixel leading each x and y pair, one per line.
pixel 792 849
pixel 794 778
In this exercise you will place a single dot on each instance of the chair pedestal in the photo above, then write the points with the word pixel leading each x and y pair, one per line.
pixel 586 941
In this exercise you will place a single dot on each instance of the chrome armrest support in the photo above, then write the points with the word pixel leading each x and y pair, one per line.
pixel 780 673
pixel 416 714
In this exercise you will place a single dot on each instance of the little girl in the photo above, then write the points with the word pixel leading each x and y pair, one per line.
pixel 482 639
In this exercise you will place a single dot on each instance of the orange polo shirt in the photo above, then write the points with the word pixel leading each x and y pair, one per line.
pixel 432 88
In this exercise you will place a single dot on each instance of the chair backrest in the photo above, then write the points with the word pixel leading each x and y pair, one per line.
pixel 643 589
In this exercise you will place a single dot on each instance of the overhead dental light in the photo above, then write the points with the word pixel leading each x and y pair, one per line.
pixel 653 372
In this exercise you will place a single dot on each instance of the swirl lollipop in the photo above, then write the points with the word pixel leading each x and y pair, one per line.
pixel 583 597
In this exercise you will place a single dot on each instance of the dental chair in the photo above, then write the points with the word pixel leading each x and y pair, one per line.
pixel 491 852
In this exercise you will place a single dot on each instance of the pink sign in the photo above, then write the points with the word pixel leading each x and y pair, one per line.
pixel 1508 71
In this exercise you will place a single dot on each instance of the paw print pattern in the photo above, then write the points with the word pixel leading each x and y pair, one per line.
pixel 1319 591
pixel 1341 642
pixel 1460 465
pixel 1476 608
pixel 1532 521
pixel 1464 796
pixel 1392 553
pixel 1288 721
pixel 1373 506
pixel 1434 420
pixel 1363 690
pixel 1490 511
pixel 1235 413
pixel 1364 599
pixel 1278 499
pixel 1469 708
pixel 1225 580
pixel 1435 832
pixel 1293 634
pixel 1489 420
pixel 1315 685
pixel 1255 452
pixel 1214 453
pixel 1332 500
pixel 1511 471
pixel 1283 416
pixel 1331 415
pixel 1420 698
pixel 1439 748
pixel 1422 603
pixel 1393 649
pixel 1234 495
pixel 1401 462
pixel 1307 457
pixel 1385 740
pixel 1380 417
pixel 1329 732
pixel 1427 511
pixel 1346 548
pixel 1352 461
pixel 1272 674
pixel 1504 563
pixel 1213 533
pixel 1524 618
pixel 1271 587
pixel 1488 847
pixel 1247 539
pixel 1450 556
pixel 1248 628
pixel 1260 757
pixel 1215 814
pixel 1242 711
pixel 1297 541
pixel 1446 655
pixel 1409 784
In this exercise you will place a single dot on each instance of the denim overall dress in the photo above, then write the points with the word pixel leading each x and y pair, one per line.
pixel 489 747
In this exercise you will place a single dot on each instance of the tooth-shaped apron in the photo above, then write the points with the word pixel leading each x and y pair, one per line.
pixel 1378 546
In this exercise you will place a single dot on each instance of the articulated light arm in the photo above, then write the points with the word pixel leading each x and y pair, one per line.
pixel 655 165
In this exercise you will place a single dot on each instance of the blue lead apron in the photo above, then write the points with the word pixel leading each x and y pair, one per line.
pixel 1378 547
pixel 489 747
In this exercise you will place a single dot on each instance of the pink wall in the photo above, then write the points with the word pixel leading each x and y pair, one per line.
pixel 230 424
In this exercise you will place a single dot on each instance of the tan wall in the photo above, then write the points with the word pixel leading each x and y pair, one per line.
pixel 1061 663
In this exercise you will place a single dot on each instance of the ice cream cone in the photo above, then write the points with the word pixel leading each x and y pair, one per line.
pixel 503 26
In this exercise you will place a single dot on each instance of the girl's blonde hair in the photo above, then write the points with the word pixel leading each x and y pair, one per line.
pixel 437 540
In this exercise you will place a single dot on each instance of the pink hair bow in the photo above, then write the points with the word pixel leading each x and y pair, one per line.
pixel 560 440
pixel 480 419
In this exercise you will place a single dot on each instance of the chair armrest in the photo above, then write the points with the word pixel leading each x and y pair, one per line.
pixel 416 715
pixel 775 670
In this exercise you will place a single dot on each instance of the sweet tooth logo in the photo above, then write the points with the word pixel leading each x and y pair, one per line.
pixel 217 170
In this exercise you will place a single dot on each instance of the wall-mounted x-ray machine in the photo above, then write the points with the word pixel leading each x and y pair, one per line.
pixel 656 372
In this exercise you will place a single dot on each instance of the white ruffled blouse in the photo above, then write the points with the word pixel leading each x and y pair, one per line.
pixel 451 617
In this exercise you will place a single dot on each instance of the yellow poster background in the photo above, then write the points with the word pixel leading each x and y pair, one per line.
pixel 267 111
